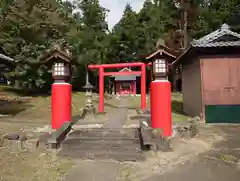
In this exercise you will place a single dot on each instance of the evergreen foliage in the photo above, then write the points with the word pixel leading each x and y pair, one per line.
pixel 29 27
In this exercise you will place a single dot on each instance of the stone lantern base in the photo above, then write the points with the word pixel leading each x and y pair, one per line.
pixel 89 107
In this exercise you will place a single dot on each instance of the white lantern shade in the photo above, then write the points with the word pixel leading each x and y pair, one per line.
pixel 160 66
pixel 60 69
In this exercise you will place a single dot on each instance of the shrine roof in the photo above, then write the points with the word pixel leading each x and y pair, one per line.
pixel 125 77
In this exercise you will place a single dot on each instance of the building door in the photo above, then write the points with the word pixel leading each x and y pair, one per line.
pixel 125 88
pixel 221 103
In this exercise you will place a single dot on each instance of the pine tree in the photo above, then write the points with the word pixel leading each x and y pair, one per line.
pixel 28 27
pixel 88 37
pixel 217 12
pixel 155 21
pixel 124 35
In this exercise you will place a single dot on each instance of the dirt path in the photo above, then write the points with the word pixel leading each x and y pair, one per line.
pixel 201 169
pixel 221 163
pixel 94 171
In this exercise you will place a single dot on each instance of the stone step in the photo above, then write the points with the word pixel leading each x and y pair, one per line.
pixel 108 141
pixel 103 149
pixel 117 155
pixel 104 138
pixel 90 147
pixel 103 143
pixel 104 133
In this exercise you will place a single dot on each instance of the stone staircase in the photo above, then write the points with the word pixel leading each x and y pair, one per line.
pixel 119 144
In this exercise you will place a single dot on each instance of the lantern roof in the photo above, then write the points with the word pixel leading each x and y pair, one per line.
pixel 161 50
pixel 88 86
pixel 56 53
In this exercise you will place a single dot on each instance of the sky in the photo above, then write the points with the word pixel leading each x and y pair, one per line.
pixel 116 8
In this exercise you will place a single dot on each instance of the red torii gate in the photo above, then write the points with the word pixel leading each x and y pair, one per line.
pixel 101 74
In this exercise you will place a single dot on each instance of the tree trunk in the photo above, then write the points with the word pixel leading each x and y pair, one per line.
pixel 185 30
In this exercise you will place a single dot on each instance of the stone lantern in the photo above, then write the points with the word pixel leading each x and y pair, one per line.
pixel 89 87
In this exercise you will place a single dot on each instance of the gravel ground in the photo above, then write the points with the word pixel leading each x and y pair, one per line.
pixel 221 163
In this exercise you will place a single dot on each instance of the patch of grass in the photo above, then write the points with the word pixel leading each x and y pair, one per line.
pixel 35 108
pixel 11 103
pixel 23 92
pixel 78 101
pixel 12 106
pixel 38 108
pixel 41 107
pixel 228 158
pixel 177 96
pixel 177 108
pixel 19 165
pixel 24 166
pixel 179 117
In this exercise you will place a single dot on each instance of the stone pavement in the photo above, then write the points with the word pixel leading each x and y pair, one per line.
pixel 118 116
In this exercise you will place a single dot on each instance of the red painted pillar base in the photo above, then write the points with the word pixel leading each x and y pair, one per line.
pixel 161 109
pixel 61 104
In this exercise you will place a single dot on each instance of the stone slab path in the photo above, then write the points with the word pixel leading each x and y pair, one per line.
pixel 118 116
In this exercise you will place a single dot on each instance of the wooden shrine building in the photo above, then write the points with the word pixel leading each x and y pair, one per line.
pixel 125 84
pixel 211 77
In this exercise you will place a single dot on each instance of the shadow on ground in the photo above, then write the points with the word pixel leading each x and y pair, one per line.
pixel 22 92
pixel 77 118
pixel 13 107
